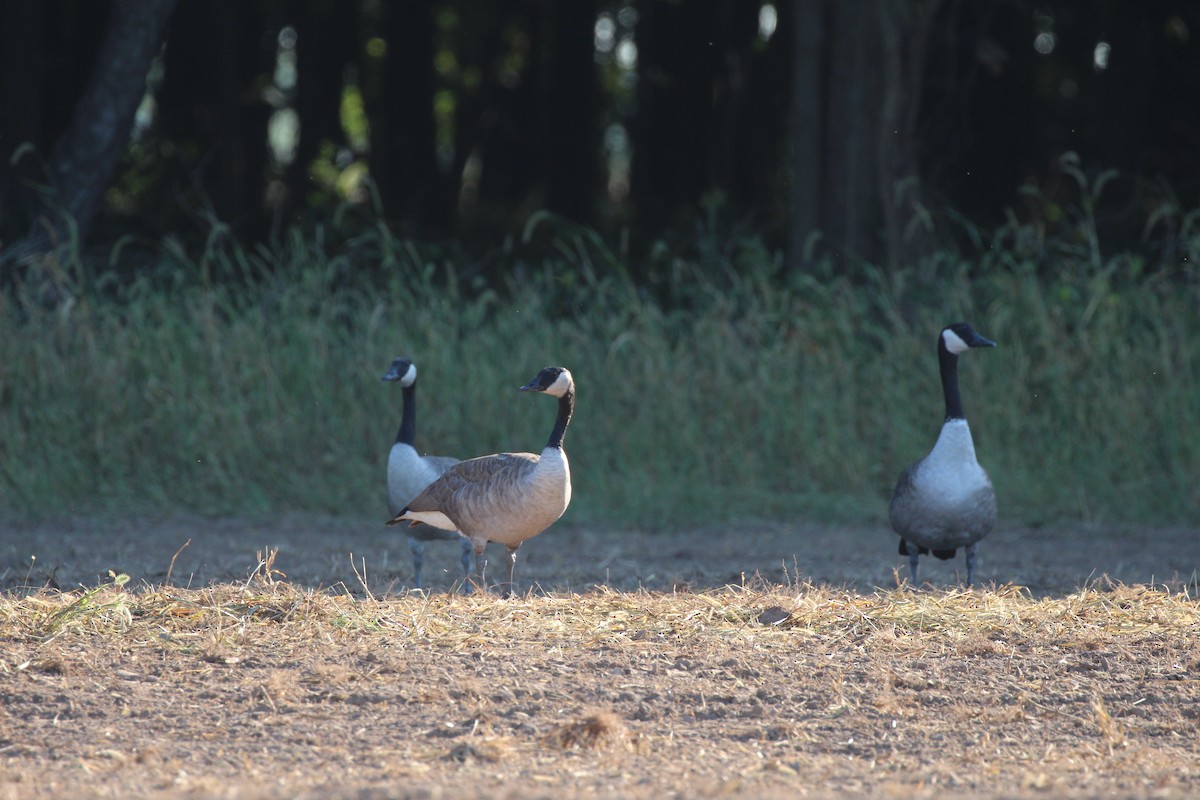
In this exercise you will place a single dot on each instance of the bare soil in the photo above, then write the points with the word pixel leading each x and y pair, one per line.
pixel 634 664
pixel 317 552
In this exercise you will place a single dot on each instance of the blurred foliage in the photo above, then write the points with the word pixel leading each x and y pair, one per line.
pixel 235 379
pixel 227 327
pixel 263 115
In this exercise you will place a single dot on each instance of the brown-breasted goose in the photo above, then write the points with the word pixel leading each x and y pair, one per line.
pixel 506 497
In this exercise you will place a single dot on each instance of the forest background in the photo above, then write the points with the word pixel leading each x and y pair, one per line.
pixel 741 224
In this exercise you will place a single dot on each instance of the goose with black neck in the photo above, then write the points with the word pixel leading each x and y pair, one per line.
pixel 945 501
pixel 408 472
pixel 506 498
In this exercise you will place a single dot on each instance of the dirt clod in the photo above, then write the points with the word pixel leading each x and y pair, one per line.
pixel 594 731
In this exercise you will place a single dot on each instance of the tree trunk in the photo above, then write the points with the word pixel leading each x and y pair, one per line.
pixel 475 115
pixel 808 123
pixel 510 148
pixel 905 30
pixel 571 118
pixel 851 207
pixel 22 89
pixel 403 143
pixel 326 42
pixel 761 176
pixel 731 158
pixel 211 107
pixel 86 155
pixel 677 66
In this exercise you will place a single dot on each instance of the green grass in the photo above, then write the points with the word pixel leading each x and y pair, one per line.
pixel 723 388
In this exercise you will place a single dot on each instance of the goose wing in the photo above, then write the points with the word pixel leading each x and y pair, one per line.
pixel 468 482
pixel 899 510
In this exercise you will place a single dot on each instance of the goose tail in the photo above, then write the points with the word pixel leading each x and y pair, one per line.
pixel 400 518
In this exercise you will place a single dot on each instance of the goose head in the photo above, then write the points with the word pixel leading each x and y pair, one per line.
pixel 402 370
pixel 556 381
pixel 960 337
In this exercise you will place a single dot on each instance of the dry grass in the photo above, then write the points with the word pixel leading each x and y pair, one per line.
pixel 976 622
pixel 768 689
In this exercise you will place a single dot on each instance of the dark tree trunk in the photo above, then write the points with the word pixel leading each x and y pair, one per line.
pixel 84 158
pixel 905 30
pixel 510 147
pixel 851 209
pixel 22 89
pixel 808 126
pixel 571 116
pixel 403 134
pixel 86 154
pixel 211 107
pixel 473 115
pixel 730 162
pixel 496 122
pixel 677 67
pixel 326 44
pixel 760 178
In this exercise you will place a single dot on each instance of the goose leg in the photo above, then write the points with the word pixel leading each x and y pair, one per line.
pixel 913 559
pixel 480 565
pixel 418 556
pixel 466 557
pixel 970 565
pixel 511 563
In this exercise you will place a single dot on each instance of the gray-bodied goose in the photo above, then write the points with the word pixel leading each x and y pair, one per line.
pixel 945 501
pixel 408 472
pixel 506 497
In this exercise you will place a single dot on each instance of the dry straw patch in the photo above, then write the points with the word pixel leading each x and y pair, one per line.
pixel 978 623
pixel 765 685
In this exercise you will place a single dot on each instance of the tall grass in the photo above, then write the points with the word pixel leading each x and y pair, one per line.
pixel 745 392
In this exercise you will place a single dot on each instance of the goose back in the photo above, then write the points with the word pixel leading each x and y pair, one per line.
pixel 506 497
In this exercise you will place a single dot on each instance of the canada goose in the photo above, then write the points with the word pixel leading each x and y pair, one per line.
pixel 408 472
pixel 945 501
pixel 506 497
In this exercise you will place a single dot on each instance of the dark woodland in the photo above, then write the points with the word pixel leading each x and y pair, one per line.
pixel 874 131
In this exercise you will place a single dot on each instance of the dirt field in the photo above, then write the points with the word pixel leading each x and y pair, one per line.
pixel 750 661
pixel 316 553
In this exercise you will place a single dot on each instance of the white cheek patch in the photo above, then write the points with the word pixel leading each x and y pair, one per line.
pixel 410 376
pixel 561 385
pixel 954 342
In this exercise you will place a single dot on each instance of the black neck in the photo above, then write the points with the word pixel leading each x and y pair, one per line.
pixel 566 404
pixel 408 418
pixel 949 364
